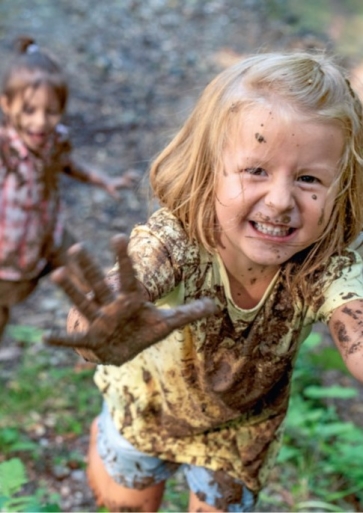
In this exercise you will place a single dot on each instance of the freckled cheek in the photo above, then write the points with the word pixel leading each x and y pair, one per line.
pixel 318 205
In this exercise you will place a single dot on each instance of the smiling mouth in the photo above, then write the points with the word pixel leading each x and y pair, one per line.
pixel 273 230
pixel 37 137
pixel 37 134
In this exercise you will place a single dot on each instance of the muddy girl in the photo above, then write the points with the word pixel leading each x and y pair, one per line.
pixel 197 328
pixel 34 149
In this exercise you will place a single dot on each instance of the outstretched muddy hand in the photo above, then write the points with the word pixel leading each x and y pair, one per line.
pixel 119 324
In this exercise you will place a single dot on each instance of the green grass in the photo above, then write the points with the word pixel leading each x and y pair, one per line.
pixel 342 20
pixel 319 467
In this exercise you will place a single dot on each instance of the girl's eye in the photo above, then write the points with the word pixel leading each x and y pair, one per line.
pixel 256 171
pixel 28 110
pixel 308 179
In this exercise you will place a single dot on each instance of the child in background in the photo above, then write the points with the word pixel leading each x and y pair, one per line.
pixel 34 149
pixel 261 196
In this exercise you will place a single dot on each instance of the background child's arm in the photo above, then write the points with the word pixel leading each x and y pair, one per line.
pixel 112 328
pixel 110 184
pixel 346 328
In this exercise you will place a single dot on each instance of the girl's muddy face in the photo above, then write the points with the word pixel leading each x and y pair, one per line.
pixel 276 192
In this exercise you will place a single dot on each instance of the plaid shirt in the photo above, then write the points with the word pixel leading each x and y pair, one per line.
pixel 30 210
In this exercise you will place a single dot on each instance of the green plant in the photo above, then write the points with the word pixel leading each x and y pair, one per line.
pixel 58 389
pixel 318 467
pixel 12 440
pixel 176 495
pixel 12 479
pixel 319 455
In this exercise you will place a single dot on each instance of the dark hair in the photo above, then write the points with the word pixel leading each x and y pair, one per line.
pixel 31 68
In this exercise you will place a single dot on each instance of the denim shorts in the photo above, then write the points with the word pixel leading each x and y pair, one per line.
pixel 134 469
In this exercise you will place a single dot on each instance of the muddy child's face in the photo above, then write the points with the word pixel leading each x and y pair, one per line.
pixel 277 189
pixel 34 114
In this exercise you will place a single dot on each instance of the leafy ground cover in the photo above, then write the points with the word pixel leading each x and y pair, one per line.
pixel 135 70
pixel 48 406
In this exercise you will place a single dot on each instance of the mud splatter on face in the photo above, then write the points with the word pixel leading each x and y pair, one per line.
pixel 314 197
pixel 260 138
pixel 261 217
pixel 285 219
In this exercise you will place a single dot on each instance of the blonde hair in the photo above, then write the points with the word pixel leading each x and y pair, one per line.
pixel 183 176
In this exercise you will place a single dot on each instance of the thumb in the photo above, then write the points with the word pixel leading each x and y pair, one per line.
pixel 185 314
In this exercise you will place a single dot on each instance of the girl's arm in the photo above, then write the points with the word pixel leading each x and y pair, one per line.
pixel 112 327
pixel 110 184
pixel 346 328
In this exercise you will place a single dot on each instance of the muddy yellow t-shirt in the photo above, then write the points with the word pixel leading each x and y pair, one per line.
pixel 215 393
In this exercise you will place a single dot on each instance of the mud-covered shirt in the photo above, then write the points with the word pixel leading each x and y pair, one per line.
pixel 215 393
pixel 30 211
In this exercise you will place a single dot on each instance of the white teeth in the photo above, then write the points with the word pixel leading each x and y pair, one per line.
pixel 277 231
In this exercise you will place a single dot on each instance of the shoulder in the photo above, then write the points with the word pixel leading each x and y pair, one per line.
pixel 4 140
pixel 4 134
pixel 340 282
pixel 164 230
pixel 168 226
pixel 162 254
pixel 12 148
pixel 62 132
pixel 345 266
pixel 9 139
pixel 62 138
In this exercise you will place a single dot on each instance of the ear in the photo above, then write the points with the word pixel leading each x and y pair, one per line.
pixel 4 104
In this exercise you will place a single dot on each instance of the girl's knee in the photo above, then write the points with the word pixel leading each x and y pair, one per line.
pixel 113 495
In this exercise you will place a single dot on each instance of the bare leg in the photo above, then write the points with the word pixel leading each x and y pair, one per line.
pixel 196 505
pixel 4 317
pixel 113 496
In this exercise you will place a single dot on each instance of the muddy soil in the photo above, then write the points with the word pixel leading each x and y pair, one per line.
pixel 135 70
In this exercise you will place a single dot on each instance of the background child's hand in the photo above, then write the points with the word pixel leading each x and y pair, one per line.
pixel 118 325
pixel 127 180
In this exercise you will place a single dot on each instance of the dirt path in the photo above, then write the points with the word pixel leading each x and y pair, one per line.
pixel 135 70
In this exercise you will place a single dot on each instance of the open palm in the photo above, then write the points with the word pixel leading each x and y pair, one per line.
pixel 116 325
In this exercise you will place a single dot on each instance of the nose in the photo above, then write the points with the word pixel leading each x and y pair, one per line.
pixel 40 118
pixel 280 196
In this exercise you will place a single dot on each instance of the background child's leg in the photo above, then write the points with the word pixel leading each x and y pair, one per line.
pixel 113 495
pixel 11 293
pixel 4 317
pixel 58 257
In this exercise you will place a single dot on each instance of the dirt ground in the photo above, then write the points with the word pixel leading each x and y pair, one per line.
pixel 135 69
